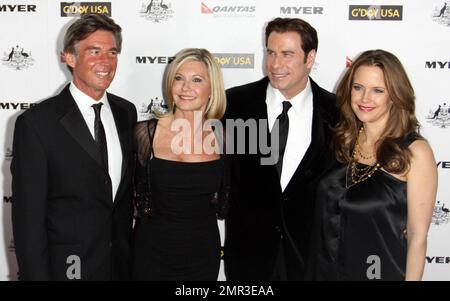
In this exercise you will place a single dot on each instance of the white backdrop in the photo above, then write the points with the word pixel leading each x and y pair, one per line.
pixel 30 68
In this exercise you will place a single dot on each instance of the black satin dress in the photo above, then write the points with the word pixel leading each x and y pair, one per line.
pixel 360 230
pixel 180 240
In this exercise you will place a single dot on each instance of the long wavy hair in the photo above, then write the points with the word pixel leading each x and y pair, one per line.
pixel 391 151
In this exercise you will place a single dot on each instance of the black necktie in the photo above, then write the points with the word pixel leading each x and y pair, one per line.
pixel 100 137
pixel 283 123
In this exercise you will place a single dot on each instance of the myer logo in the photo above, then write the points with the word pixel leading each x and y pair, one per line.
pixel 443 164
pixel 7 199
pixel 154 59
pixel 235 60
pixel 301 10
pixel 376 12
pixel 437 65
pixel 75 9
pixel 15 105
pixel 438 259
pixel 228 10
pixel 20 8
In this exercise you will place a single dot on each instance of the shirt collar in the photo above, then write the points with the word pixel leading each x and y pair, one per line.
pixel 85 102
pixel 301 103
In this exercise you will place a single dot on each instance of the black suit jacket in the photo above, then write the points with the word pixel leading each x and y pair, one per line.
pixel 261 216
pixel 62 196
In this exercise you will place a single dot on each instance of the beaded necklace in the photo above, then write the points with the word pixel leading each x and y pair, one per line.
pixel 358 175
pixel 361 153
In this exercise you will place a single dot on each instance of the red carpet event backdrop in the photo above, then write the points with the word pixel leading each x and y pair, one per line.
pixel 416 31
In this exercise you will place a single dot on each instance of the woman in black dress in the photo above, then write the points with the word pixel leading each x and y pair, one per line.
pixel 374 210
pixel 181 178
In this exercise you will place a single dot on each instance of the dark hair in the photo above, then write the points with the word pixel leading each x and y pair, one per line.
pixel 307 33
pixel 85 26
pixel 391 151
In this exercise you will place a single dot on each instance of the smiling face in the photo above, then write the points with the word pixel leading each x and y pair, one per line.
pixel 286 66
pixel 191 87
pixel 370 99
pixel 94 64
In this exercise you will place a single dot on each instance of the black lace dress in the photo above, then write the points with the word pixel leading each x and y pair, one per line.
pixel 176 234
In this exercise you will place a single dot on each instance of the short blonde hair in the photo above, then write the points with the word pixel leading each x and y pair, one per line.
pixel 217 102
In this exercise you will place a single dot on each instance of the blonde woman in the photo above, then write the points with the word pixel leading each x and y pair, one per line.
pixel 180 179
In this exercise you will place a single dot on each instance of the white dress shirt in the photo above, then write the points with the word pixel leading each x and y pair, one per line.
pixel 84 103
pixel 300 127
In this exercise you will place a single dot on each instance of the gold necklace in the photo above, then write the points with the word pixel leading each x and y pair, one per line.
pixel 358 148
pixel 362 154
pixel 357 174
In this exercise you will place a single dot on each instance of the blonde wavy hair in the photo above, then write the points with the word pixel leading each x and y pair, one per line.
pixel 217 103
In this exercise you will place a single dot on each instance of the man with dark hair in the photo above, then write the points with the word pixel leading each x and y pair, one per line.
pixel 269 224
pixel 72 168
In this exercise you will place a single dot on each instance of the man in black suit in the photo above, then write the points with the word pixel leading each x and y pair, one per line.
pixel 270 219
pixel 72 168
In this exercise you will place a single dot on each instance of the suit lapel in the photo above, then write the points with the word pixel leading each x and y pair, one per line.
pixel 120 118
pixel 75 125
pixel 260 109
pixel 261 105
pixel 257 109
pixel 315 148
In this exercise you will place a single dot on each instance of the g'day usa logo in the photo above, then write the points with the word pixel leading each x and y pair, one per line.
pixel 76 9
pixel 157 10
pixel 235 60
pixel 441 13
pixel 17 58
pixel 439 116
pixel 375 12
